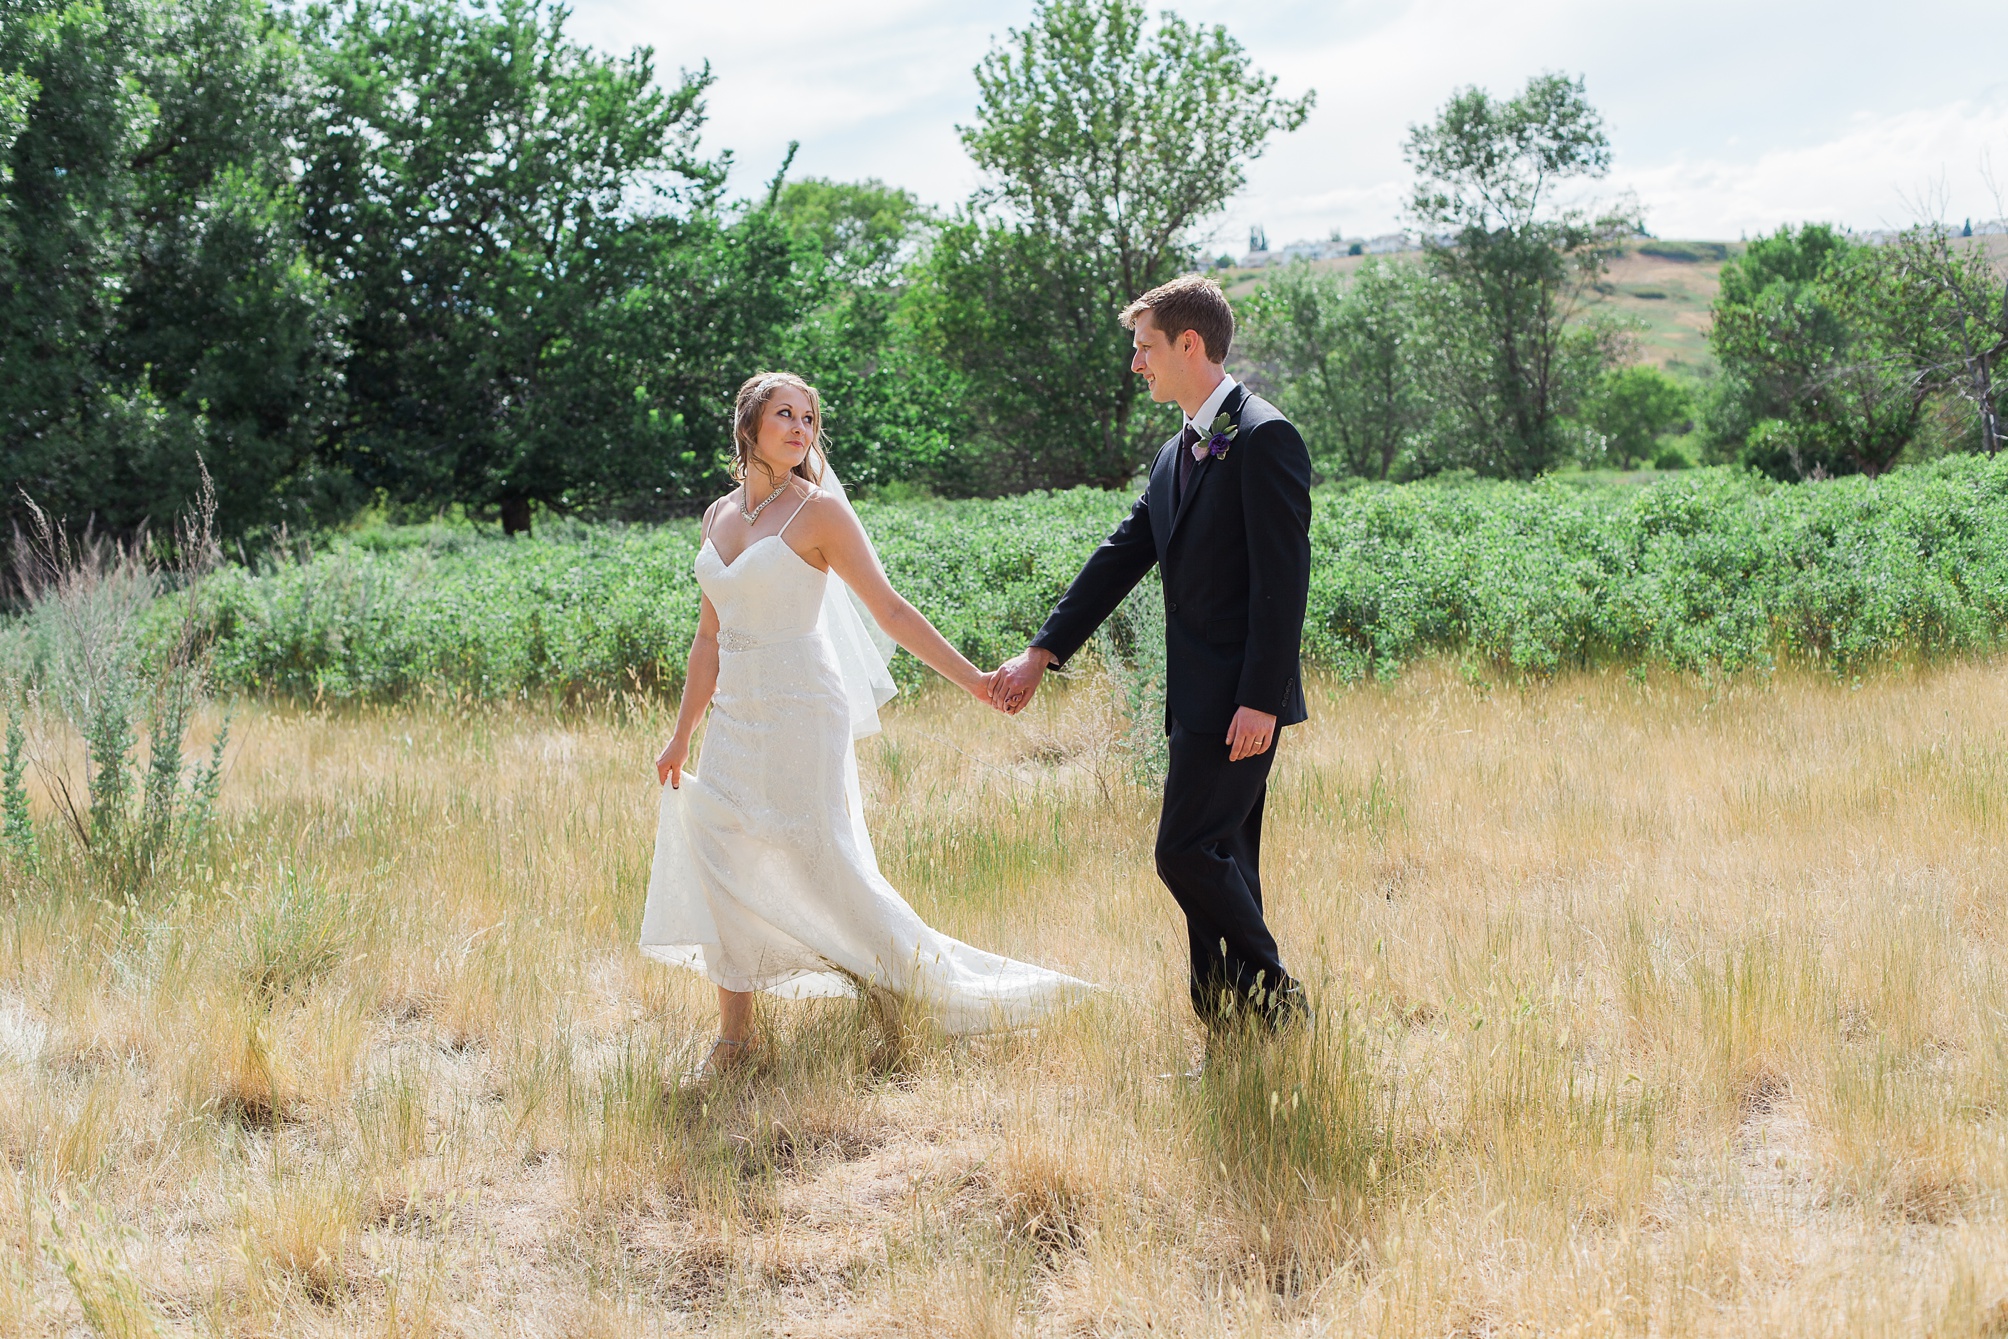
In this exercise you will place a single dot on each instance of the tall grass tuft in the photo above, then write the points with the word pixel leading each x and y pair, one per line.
pixel 117 680
pixel 89 1252
pixel 291 939
pixel 1300 1127
pixel 233 1065
pixel 629 1146
pixel 298 1230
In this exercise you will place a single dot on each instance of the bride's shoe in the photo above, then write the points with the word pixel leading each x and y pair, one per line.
pixel 724 1057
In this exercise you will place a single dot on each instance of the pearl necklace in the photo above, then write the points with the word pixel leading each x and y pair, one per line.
pixel 765 502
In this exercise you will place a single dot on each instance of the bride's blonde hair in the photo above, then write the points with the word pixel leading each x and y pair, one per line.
pixel 752 403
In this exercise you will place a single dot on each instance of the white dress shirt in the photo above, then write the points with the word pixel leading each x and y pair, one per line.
pixel 1201 422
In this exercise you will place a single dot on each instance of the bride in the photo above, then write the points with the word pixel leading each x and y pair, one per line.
pixel 764 875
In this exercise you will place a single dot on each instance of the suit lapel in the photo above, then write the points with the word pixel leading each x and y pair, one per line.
pixel 1163 486
pixel 1231 407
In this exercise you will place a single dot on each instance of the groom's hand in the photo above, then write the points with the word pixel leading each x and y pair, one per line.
pixel 1249 734
pixel 1018 679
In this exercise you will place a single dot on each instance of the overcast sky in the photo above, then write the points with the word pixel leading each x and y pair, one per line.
pixel 1725 118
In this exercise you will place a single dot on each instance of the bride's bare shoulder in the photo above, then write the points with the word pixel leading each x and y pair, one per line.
pixel 824 515
pixel 714 511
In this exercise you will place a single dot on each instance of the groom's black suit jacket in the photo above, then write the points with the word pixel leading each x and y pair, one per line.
pixel 1235 554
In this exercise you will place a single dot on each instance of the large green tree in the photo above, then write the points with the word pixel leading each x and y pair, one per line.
pixel 1514 260
pixel 1807 327
pixel 1106 140
pixel 1943 301
pixel 156 304
pixel 549 303
pixel 1344 359
pixel 893 405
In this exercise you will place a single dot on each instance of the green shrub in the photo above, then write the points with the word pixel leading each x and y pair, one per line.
pixel 1709 569
pixel 1628 412
pixel 1713 569
pixel 589 611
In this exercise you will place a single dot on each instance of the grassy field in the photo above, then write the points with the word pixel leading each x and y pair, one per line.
pixel 1644 1008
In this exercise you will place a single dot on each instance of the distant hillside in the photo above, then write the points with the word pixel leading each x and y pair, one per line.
pixel 1666 285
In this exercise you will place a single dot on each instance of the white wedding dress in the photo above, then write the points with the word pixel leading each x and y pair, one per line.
pixel 764 875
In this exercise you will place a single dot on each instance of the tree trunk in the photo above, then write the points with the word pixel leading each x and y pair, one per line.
pixel 515 516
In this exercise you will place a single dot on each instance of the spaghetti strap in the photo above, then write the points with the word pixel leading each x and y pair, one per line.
pixel 793 514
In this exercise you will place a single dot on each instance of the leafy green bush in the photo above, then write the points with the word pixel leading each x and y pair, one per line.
pixel 461 616
pixel 1711 569
pixel 1672 456
pixel 1628 411
pixel 587 610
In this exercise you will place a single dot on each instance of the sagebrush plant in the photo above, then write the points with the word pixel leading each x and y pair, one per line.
pixel 1132 653
pixel 1710 571
pixel 17 824
pixel 120 676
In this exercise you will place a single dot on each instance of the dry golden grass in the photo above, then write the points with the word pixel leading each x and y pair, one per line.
pixel 1644 1007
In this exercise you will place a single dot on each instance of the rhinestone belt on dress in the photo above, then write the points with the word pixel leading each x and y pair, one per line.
pixel 730 639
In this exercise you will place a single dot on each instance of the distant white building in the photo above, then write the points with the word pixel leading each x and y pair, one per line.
pixel 1329 248
pixel 1324 250
pixel 1979 228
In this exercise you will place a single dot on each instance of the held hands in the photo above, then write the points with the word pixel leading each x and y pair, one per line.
pixel 1014 683
pixel 670 762
pixel 1010 688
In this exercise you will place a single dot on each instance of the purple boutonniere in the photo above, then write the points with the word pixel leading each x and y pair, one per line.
pixel 1220 436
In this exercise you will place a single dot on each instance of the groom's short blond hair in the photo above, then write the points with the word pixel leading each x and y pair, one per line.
pixel 1190 302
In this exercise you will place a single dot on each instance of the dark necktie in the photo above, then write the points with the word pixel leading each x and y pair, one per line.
pixel 1186 441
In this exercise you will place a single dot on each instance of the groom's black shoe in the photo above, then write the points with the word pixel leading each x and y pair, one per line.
pixel 1219 1042
pixel 1228 1011
pixel 1286 1008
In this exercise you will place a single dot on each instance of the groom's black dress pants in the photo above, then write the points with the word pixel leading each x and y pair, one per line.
pixel 1209 854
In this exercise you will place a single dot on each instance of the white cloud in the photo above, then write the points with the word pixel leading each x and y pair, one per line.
pixel 1880 172
pixel 870 89
pixel 1724 116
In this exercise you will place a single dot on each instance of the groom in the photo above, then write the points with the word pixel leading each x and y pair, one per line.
pixel 1226 516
